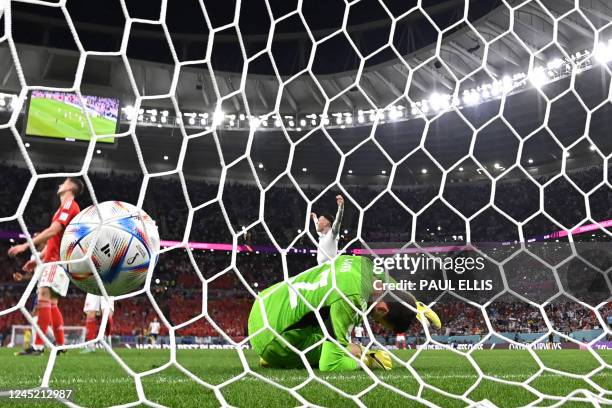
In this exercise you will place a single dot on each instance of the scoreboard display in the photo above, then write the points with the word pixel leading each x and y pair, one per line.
pixel 64 115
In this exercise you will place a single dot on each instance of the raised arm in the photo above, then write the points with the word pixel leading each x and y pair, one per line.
pixel 338 220
pixel 315 220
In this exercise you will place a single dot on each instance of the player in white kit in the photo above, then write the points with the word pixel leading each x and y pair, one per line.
pixel 95 306
pixel 328 229
pixel 154 327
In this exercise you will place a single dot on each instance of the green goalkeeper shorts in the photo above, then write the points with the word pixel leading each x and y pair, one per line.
pixel 278 355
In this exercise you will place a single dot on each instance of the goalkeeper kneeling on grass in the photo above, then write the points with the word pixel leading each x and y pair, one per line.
pixel 292 319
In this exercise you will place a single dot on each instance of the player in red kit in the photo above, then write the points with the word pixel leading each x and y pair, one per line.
pixel 53 281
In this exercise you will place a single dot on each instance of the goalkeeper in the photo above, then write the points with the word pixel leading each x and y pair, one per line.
pixel 291 318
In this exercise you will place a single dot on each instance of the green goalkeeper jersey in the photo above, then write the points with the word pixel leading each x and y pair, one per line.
pixel 287 312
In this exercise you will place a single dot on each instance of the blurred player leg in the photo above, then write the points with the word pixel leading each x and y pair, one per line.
pixel 94 307
pixel 91 308
pixel 52 284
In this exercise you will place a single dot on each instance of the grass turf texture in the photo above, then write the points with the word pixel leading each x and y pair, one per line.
pixel 97 380
pixel 51 118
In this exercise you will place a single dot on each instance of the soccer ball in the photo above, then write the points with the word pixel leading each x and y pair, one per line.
pixel 127 243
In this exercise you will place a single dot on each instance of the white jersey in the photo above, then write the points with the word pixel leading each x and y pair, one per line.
pixel 328 242
pixel 95 303
pixel 154 327
pixel 358 332
pixel 55 278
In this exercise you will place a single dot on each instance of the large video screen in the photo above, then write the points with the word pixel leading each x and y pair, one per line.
pixel 61 115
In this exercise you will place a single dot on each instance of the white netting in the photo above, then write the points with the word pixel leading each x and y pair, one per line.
pixel 428 110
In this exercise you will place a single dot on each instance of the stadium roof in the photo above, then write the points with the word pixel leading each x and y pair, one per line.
pixel 385 73
pixel 47 60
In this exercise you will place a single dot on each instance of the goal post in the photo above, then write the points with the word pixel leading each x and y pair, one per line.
pixel 72 334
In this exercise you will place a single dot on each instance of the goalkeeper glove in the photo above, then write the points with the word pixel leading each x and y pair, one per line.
pixel 377 359
pixel 430 316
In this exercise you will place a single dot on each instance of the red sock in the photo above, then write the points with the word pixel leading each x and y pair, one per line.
pixel 91 329
pixel 109 326
pixel 58 325
pixel 44 320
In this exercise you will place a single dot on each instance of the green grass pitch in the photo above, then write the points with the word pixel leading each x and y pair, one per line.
pixel 97 380
pixel 52 118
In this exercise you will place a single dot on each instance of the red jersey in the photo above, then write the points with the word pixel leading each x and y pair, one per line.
pixel 64 214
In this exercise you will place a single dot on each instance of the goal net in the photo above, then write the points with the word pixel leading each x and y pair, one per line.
pixel 478 143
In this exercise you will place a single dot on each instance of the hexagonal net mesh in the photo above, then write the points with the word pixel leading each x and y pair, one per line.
pixel 530 55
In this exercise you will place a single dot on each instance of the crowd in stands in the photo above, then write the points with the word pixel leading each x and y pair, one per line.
pixel 177 287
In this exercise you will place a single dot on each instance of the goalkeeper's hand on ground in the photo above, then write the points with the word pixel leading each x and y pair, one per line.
pixel 430 316
pixel 377 359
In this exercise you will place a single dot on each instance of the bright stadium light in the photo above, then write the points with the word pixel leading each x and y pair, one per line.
pixel 304 169
pixel 350 171
pixel 460 168
pixel 383 172
pixel 360 119
pixel 538 77
pixel 592 147
pixel 277 123
pixel 395 114
pixel 260 165
pixel 439 101
pixel 302 122
pixel 241 116
pixel 507 84
pixel 218 117
pixel 530 161
pixel 192 121
pixel 424 171
pixel 165 157
pixel 603 53
pixel 27 145
pixel 497 165
pixel 484 91
pixel 349 120
pixel 98 151
pixel 555 64
pixel 471 97
pixel 129 112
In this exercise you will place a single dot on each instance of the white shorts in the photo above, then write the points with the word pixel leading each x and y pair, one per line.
pixel 55 278
pixel 95 303
pixel 400 338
